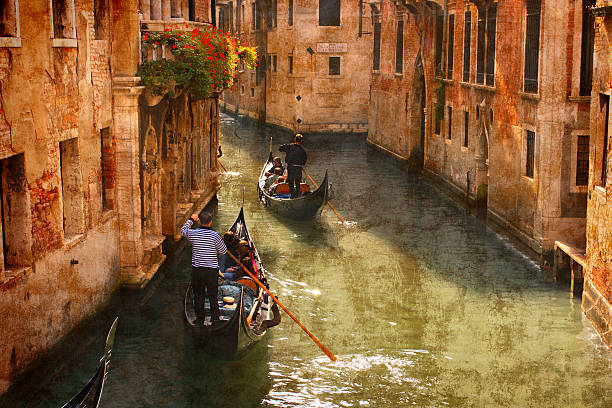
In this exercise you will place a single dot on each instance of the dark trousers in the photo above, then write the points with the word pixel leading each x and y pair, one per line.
pixel 205 280
pixel 294 178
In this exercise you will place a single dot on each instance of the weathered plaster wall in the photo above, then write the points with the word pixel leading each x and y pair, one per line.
pixel 597 296
pixel 55 99
pixel 336 103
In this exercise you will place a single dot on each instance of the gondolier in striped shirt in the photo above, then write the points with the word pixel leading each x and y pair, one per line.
pixel 208 250
pixel 295 158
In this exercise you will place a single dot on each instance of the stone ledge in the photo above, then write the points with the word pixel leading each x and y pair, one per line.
pixel 598 311
pixel 9 278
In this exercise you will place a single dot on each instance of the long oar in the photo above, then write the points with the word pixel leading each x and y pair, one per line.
pixel 328 203
pixel 261 285
pixel 224 169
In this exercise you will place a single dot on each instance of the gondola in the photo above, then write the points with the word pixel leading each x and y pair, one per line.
pixel 234 336
pixel 304 207
pixel 89 397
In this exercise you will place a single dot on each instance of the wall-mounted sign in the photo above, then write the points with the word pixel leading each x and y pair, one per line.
pixel 332 48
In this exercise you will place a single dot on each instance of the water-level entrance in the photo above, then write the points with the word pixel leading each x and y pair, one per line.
pixel 423 305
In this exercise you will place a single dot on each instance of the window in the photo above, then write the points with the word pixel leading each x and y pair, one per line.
pixel 71 183
pixel 9 18
pixel 329 12
pixel 466 128
pixel 15 213
pixel 604 101
pixel 242 17
pixel 532 46
pixel 191 7
pixel 62 15
pixel 291 64
pixel 582 160
pixel 530 154
pixel 100 18
pixel 588 45
pixel 376 54
pixel 485 56
pixel 290 17
pixel 274 61
pixel 439 41
pixel 437 120
pixel 269 61
pixel 252 92
pixel 238 19
pixel 334 65
pixel 175 10
pixel 253 16
pixel 274 13
pixel 467 38
pixel 450 46
pixel 107 165
pixel 450 122
pixel 491 34
pixel 399 48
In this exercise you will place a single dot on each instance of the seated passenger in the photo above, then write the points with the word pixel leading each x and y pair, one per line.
pixel 277 163
pixel 230 265
pixel 246 255
pixel 249 264
pixel 273 177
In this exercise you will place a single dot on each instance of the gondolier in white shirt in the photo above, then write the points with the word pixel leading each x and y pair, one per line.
pixel 207 252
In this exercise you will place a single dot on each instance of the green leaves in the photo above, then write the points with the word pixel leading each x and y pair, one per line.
pixel 202 62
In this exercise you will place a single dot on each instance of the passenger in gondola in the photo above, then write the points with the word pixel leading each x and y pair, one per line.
pixel 295 158
pixel 246 255
pixel 248 263
pixel 274 177
pixel 277 163
pixel 230 266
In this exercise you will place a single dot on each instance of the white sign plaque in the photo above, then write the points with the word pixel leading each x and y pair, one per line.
pixel 332 48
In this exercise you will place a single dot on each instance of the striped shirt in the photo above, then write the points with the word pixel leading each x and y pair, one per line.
pixel 208 246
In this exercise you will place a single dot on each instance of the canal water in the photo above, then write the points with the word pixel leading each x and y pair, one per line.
pixel 422 304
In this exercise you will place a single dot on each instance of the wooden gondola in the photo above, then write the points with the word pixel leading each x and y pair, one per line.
pixel 306 206
pixel 89 397
pixel 233 337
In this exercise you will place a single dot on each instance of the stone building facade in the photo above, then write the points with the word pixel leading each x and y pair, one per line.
pixel 510 133
pixel 246 20
pixel 597 294
pixel 87 192
pixel 311 59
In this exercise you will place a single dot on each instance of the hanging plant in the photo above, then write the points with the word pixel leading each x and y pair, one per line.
pixel 200 62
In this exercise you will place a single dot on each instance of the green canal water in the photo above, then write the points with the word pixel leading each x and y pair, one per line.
pixel 421 302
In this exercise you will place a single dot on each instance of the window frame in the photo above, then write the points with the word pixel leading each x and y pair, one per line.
pixel 67 42
pixel 527 158
pixel 537 50
pixel 339 14
pixel 467 46
pixel 335 58
pixel 13 41
pixel 450 46
pixel 574 186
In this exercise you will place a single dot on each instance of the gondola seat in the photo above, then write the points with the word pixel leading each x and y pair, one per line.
pixel 249 283
pixel 282 188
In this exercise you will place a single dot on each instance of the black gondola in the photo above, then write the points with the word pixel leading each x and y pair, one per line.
pixel 89 397
pixel 304 207
pixel 234 336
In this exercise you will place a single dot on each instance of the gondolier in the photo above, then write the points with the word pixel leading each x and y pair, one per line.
pixel 295 157
pixel 208 249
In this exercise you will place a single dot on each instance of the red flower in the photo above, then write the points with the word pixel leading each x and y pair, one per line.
pixel 173 45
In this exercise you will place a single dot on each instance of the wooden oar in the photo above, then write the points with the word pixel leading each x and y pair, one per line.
pixel 295 319
pixel 224 169
pixel 328 203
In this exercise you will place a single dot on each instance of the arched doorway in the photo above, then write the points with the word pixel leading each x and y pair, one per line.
pixel 416 117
